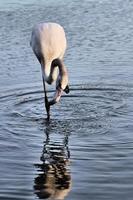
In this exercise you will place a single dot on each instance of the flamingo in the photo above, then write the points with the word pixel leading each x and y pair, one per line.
pixel 48 42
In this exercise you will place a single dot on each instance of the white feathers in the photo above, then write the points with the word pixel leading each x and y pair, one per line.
pixel 48 41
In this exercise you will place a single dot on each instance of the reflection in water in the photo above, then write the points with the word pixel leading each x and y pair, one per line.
pixel 54 179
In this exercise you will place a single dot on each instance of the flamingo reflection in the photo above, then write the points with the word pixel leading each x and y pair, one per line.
pixel 54 179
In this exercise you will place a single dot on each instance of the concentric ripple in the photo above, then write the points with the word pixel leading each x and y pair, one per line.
pixel 91 105
pixel 89 111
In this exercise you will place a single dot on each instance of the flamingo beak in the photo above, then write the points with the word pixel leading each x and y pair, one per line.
pixel 67 90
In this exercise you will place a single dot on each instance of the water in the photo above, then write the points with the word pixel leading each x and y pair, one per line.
pixel 86 150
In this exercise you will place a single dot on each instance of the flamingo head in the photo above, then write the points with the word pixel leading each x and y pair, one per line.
pixel 61 86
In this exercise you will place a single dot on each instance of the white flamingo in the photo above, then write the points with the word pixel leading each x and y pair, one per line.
pixel 48 42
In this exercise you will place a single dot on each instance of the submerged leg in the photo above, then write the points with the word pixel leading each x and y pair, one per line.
pixel 47 105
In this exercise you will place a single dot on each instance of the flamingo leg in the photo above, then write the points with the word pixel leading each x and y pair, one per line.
pixel 47 105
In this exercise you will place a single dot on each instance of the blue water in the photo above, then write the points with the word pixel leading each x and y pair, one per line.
pixel 86 150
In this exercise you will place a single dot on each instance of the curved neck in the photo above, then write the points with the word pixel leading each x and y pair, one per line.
pixel 62 70
pixel 57 62
pixel 62 80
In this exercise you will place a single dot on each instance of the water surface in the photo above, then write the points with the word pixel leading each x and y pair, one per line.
pixel 86 150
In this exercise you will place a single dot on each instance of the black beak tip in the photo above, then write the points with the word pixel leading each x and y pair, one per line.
pixel 67 90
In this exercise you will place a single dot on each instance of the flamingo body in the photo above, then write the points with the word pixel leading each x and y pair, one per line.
pixel 48 41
